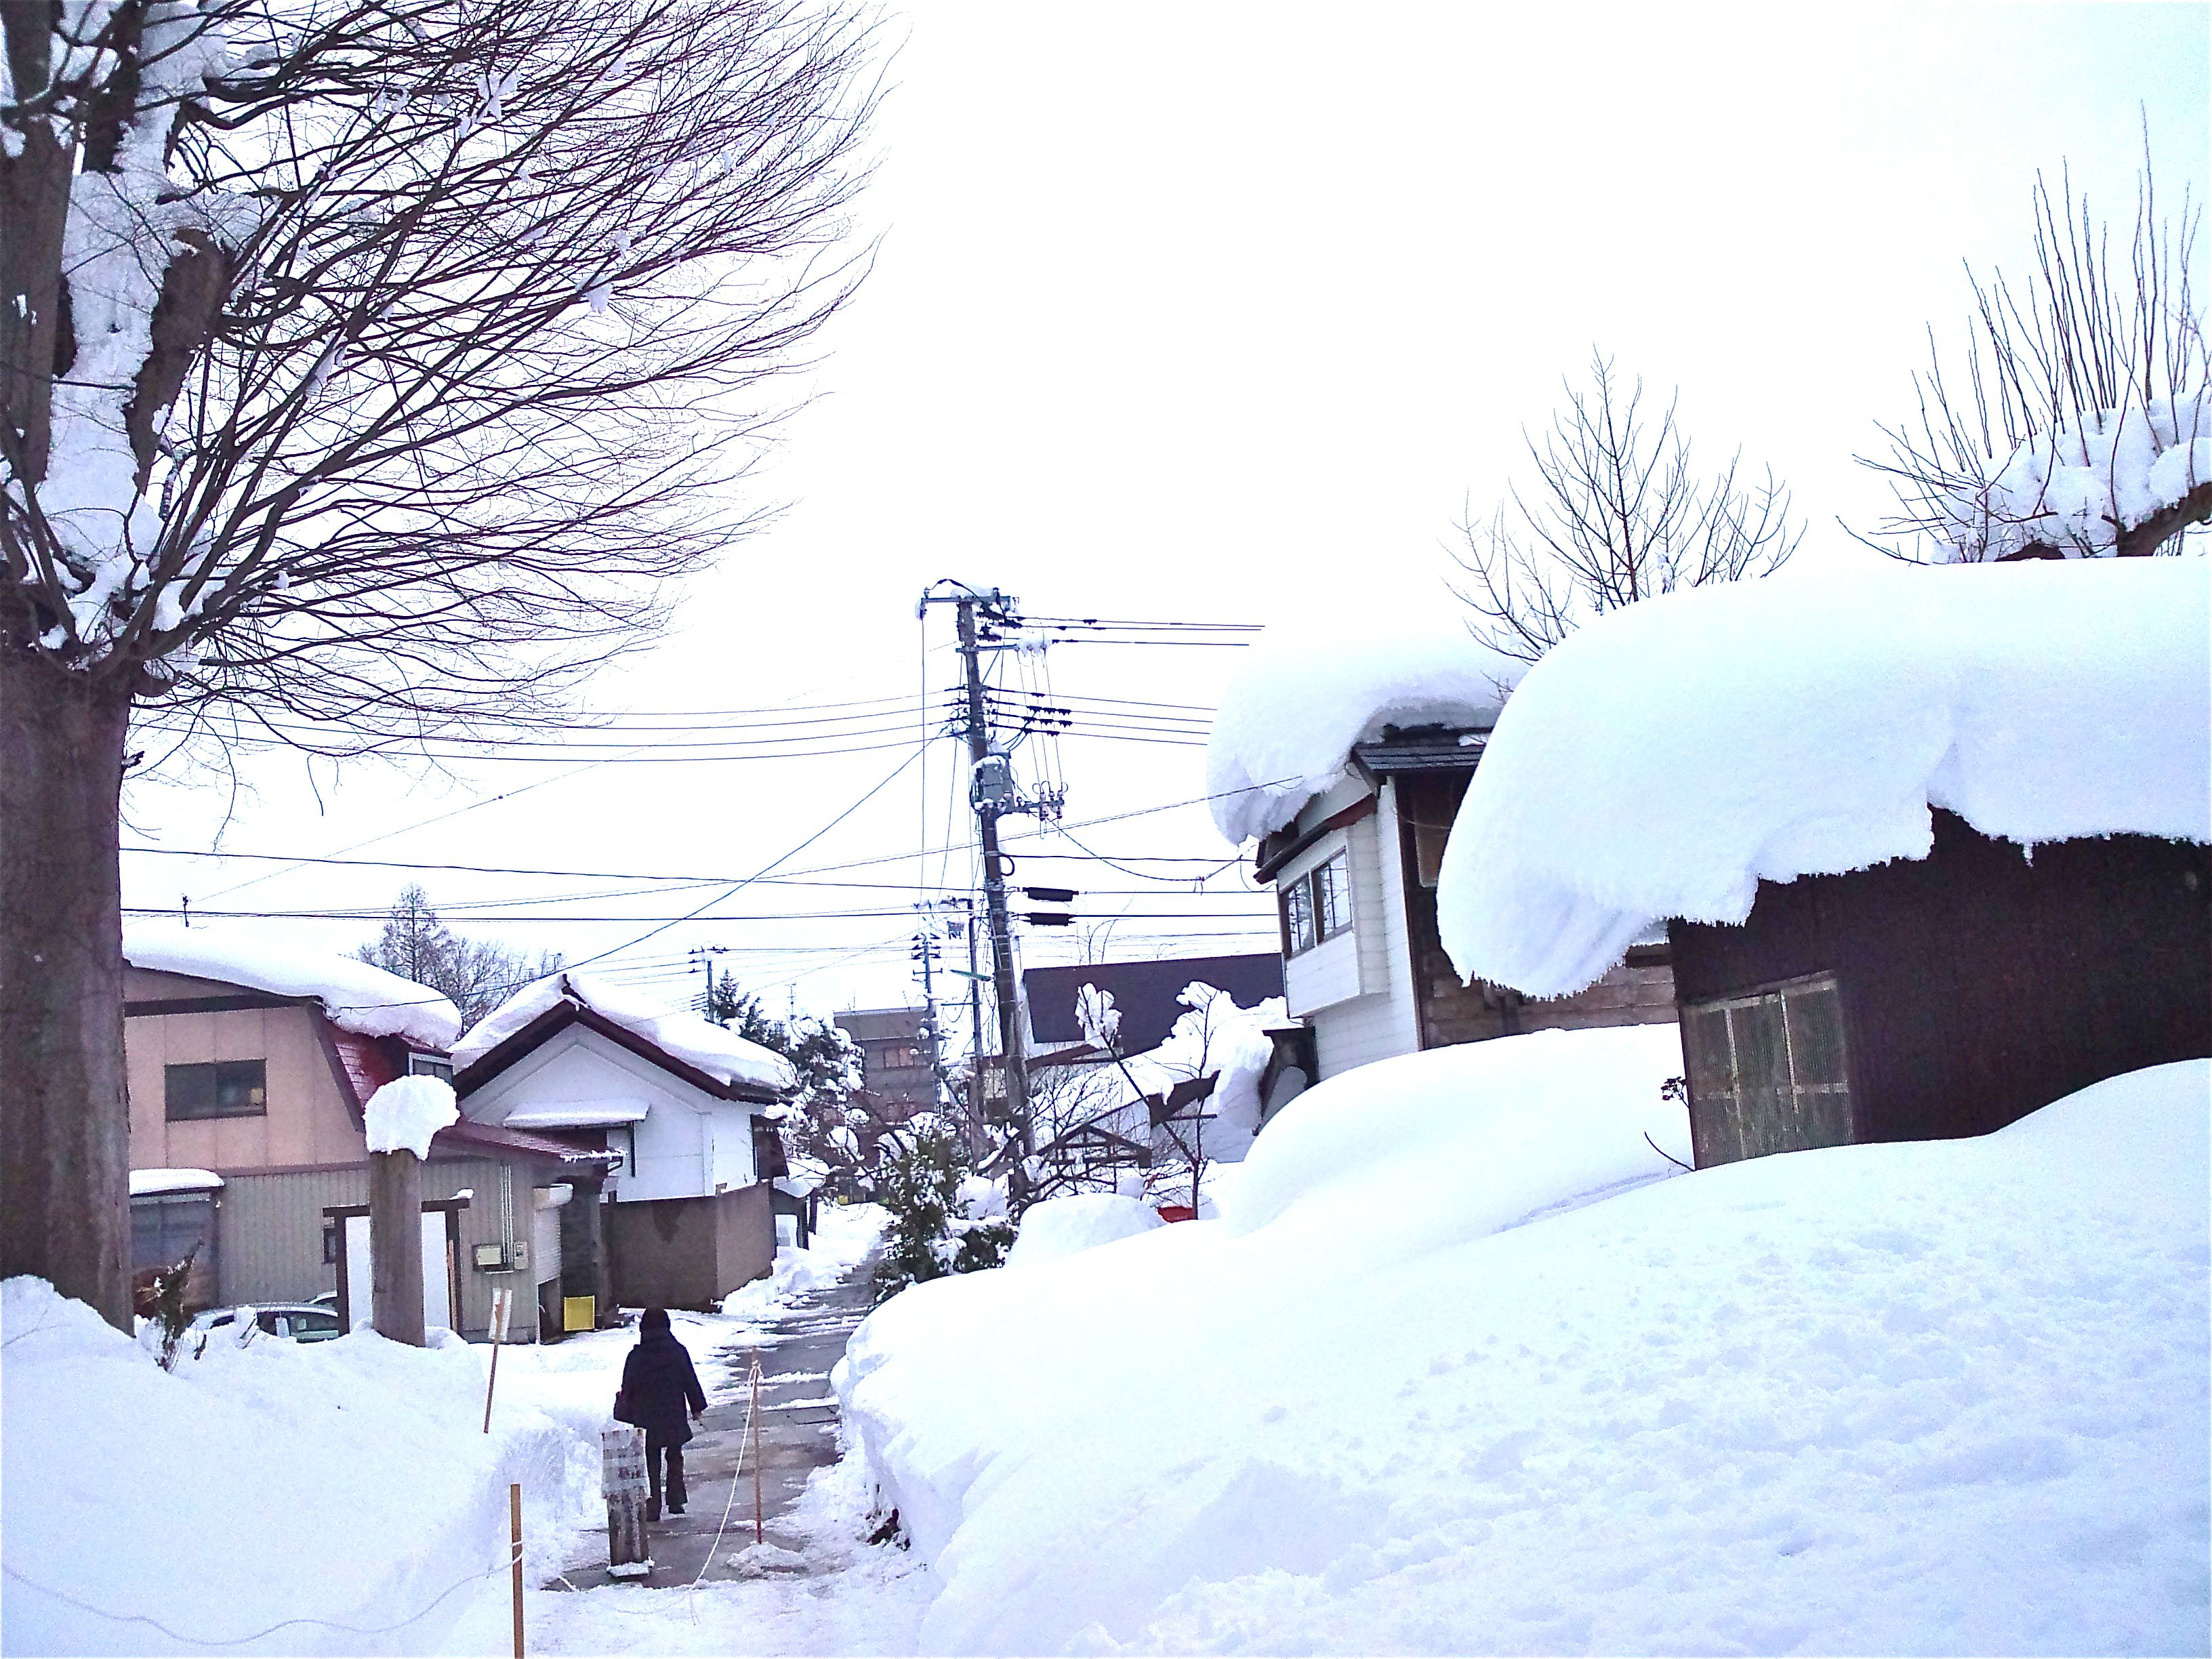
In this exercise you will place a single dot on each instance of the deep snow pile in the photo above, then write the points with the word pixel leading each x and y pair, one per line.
pixel 843 1235
pixel 1065 1226
pixel 1669 754
pixel 336 1496
pixel 695 1041
pixel 1304 692
pixel 1943 1397
pixel 357 996
pixel 406 1112
pixel 2075 488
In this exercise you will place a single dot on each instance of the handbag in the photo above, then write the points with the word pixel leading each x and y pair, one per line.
pixel 625 1410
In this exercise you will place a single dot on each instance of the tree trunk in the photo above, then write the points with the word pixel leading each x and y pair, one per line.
pixel 65 1102
pixel 395 1245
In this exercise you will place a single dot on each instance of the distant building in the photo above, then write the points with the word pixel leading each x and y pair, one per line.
pixel 898 1077
pixel 250 1063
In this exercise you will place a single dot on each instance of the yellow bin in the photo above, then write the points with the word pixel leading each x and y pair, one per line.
pixel 580 1313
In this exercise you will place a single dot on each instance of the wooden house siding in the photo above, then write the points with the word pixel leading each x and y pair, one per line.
pixel 1978 984
pixel 1639 991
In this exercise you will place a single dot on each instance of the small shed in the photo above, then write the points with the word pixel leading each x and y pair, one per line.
pixel 1930 843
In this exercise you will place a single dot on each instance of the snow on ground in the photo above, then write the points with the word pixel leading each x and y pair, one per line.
pixel 1305 692
pixel 852 1599
pixel 357 996
pixel 677 1031
pixel 332 1497
pixel 1669 754
pixel 1936 1397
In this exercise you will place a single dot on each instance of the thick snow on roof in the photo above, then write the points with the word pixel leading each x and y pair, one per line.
pixel 678 1033
pixel 355 996
pixel 1668 757
pixel 1306 692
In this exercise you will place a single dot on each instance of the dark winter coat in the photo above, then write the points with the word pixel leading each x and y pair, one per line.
pixel 658 1382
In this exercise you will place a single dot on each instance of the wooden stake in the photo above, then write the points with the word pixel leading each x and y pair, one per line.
pixel 502 1299
pixel 758 1533
pixel 514 1525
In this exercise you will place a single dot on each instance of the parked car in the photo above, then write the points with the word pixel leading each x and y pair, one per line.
pixel 301 1322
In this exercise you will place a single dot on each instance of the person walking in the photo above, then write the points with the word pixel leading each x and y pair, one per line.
pixel 659 1383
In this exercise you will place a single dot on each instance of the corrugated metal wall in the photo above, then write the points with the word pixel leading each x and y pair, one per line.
pixel 269 1233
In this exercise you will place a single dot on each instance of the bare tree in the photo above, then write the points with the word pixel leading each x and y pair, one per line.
pixel 2077 422
pixel 1615 515
pixel 370 370
pixel 475 975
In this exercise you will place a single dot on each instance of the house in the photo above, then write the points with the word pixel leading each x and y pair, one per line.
pixel 681 1109
pixel 250 1062
pixel 1930 844
pixel 1344 749
pixel 898 1074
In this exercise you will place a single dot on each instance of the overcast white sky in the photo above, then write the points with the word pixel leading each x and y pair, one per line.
pixel 1194 312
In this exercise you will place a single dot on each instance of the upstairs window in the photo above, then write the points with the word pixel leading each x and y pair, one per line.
pixel 1317 906
pixel 429 1065
pixel 223 1088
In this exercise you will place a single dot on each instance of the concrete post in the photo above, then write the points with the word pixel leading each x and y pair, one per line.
pixel 395 1232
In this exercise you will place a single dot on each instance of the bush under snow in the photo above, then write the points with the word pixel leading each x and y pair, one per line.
pixel 1939 1397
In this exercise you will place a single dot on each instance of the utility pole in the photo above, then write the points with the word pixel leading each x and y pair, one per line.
pixel 993 794
pixel 975 1019
pixel 990 789
pixel 925 951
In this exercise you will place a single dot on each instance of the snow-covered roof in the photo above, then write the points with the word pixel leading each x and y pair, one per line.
pixel 144 1183
pixel 355 996
pixel 1306 692
pixel 1668 757
pixel 577 1115
pixel 677 1033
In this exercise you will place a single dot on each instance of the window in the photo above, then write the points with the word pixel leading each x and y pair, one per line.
pixel 1768 1073
pixel 1317 906
pixel 225 1087
pixel 163 1228
pixel 429 1065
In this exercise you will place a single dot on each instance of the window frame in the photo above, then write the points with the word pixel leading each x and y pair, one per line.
pixel 257 1092
pixel 1318 905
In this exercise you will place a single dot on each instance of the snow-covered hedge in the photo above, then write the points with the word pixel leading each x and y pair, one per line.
pixel 1668 757
pixel 1939 1397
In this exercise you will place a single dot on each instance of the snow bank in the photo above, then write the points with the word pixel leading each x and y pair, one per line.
pixel 2076 488
pixel 407 1111
pixel 282 1497
pixel 1061 1227
pixel 357 996
pixel 1669 754
pixel 1304 692
pixel 1943 1397
pixel 678 1032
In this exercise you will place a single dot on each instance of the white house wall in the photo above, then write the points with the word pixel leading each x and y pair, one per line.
pixel 1357 990
pixel 687 1142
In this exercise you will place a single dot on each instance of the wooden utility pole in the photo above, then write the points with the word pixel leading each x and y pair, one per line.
pixel 395 1245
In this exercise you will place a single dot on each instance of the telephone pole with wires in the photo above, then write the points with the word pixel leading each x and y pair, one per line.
pixel 992 795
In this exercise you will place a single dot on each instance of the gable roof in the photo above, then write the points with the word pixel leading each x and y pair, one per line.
pixel 566 1012
pixel 1144 992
